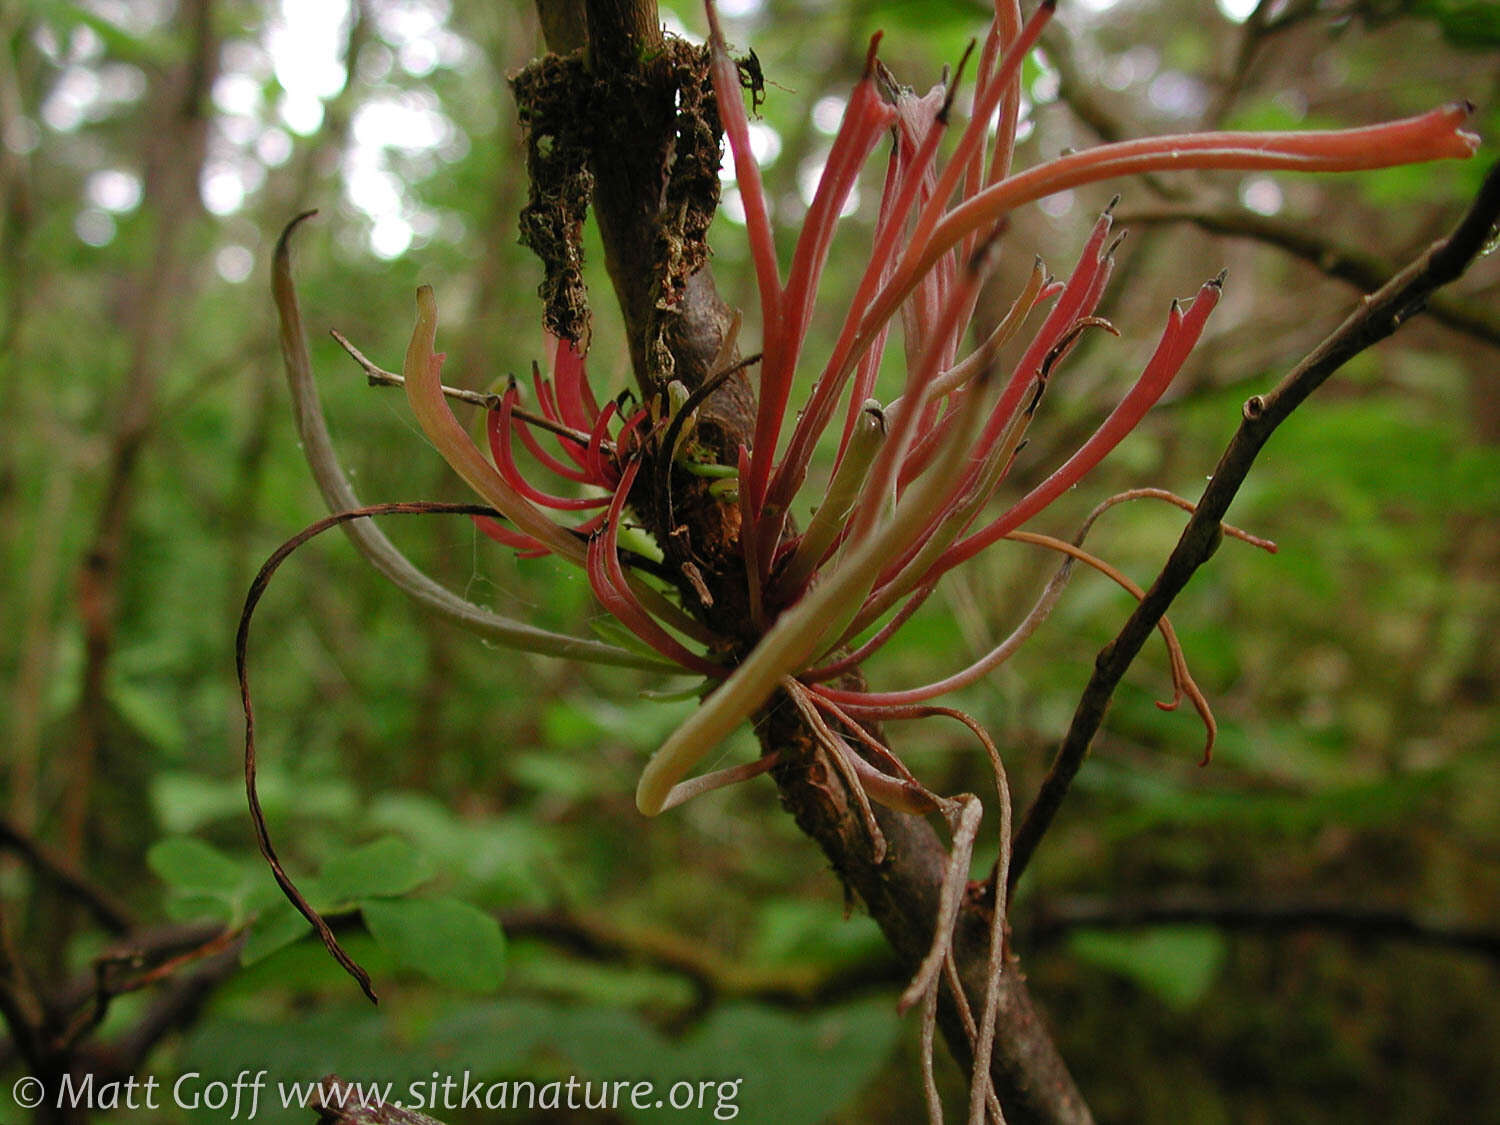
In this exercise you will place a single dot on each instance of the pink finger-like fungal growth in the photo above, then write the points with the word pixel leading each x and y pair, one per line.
pixel 422 370
pixel 883 474
pixel 726 83
pixel 575 398
pixel 499 425
pixel 594 461
pixel 610 585
pixel 907 503
pixel 524 545
pixel 1182 333
pixel 865 119
pixel 902 190
pixel 546 459
pixel 970 145
pixel 1073 302
pixel 1435 135
pixel 1006 27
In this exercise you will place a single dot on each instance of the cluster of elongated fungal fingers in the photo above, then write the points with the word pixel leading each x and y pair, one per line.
pixel 913 488
pixel 914 479
pixel 913 485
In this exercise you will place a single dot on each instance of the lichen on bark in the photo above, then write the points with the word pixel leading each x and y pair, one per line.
pixel 568 114
pixel 552 96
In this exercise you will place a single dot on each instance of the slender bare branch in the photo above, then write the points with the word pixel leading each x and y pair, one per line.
pixel 1377 316
pixel 1346 263
pixel 1052 918
pixel 110 913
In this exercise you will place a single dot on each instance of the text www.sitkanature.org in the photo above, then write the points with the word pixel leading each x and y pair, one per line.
pixel 244 1097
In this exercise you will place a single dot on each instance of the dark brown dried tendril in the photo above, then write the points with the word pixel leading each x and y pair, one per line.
pixel 241 647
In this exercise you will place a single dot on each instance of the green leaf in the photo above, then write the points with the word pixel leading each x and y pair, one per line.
pixel 611 631
pixel 204 882
pixel 185 863
pixel 351 1039
pixel 792 932
pixel 185 801
pixel 491 1036
pixel 572 778
pixel 387 868
pixel 187 907
pixel 1177 963
pixel 819 1062
pixel 447 940
pixel 505 856
pixel 695 691
pixel 1156 803
pixel 151 713
pixel 274 928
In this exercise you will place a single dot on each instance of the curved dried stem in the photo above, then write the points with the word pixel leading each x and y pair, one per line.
pixel 241 662
pixel 370 541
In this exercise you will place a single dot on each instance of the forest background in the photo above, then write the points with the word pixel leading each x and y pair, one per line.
pixel 1306 930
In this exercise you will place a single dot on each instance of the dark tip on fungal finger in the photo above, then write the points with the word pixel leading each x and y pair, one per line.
pixel 958 76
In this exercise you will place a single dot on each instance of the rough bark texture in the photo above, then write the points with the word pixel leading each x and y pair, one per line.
pixel 641 160
pixel 626 123
pixel 901 894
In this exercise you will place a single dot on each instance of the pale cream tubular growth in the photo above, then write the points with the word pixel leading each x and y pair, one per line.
pixel 901 791
pixel 968 367
pixel 950 527
pixel 843 490
pixel 944 482
pixel 912 575
pixel 881 483
pixel 687 790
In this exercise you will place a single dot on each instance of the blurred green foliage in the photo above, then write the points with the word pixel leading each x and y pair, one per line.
pixel 428 789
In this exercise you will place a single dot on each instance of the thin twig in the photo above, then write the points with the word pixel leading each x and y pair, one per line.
pixel 1254 32
pixel 1052 918
pixel 1378 315
pixel 21 1008
pixel 179 1006
pixel 1351 264
pixel 378 376
pixel 107 910
pixel 241 662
